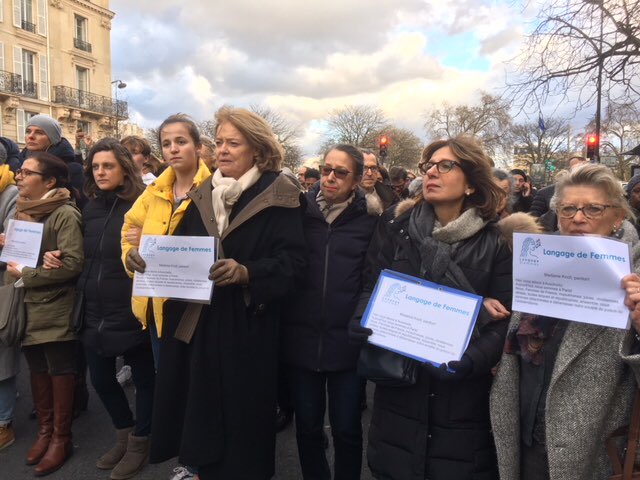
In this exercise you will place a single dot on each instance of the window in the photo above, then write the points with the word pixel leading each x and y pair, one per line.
pixel 84 126
pixel 22 118
pixel 82 84
pixel 80 41
pixel 24 64
pixel 23 15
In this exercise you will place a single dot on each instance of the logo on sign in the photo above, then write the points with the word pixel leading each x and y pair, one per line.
pixel 148 248
pixel 528 255
pixel 392 296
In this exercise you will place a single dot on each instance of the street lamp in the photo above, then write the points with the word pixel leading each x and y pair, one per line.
pixel 119 85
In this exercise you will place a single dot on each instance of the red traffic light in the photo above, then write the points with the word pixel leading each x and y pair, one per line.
pixel 593 144
pixel 592 139
pixel 384 140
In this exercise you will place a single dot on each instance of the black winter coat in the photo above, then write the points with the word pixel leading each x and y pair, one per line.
pixel 438 429
pixel 110 328
pixel 541 201
pixel 315 326
pixel 215 400
pixel 14 158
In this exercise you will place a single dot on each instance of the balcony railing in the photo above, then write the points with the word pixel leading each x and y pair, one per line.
pixel 28 26
pixel 10 83
pixel 82 45
pixel 30 89
pixel 73 97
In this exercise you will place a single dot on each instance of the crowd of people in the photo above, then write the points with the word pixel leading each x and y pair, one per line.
pixel 532 397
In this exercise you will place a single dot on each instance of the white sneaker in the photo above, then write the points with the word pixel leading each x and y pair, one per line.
pixel 181 473
pixel 124 375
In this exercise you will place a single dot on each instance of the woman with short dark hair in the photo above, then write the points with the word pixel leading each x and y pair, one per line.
pixel 438 428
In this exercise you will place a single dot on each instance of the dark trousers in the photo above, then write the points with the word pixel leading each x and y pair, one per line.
pixel 54 358
pixel 103 377
pixel 309 393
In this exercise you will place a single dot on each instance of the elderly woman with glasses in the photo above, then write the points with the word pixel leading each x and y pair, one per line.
pixel 438 428
pixel 563 387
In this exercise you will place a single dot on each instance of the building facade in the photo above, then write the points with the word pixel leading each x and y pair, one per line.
pixel 55 58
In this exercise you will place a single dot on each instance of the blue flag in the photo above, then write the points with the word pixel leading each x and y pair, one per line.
pixel 541 124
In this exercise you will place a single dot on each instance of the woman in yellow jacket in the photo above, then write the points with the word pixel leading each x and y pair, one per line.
pixel 160 208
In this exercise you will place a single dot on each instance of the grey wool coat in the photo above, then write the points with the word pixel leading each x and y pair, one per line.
pixel 9 356
pixel 590 395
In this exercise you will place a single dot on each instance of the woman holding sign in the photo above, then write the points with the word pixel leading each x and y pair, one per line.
pixel 222 358
pixel 49 344
pixel 438 428
pixel 563 387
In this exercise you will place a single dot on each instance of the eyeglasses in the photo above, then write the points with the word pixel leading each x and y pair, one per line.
pixel 590 211
pixel 26 173
pixel 374 169
pixel 443 166
pixel 340 173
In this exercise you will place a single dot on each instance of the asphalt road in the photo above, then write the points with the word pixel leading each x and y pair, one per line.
pixel 93 435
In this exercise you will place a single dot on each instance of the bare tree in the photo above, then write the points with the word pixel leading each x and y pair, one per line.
pixel 286 131
pixel 151 134
pixel 620 133
pixel 573 40
pixel 404 150
pixel 537 146
pixel 489 120
pixel 355 124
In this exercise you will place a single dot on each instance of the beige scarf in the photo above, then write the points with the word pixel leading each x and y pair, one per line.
pixel 331 211
pixel 36 210
pixel 227 191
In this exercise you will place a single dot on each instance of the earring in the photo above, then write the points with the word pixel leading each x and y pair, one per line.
pixel 467 193
pixel 614 229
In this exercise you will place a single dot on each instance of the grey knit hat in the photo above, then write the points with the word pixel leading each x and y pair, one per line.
pixel 48 125
pixel 632 183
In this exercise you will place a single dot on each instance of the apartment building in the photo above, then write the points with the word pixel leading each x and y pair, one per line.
pixel 55 58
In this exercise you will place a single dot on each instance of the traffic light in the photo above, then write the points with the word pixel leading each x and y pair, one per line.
pixel 593 143
pixel 383 144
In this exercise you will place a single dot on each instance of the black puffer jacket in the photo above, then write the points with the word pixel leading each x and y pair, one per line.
pixel 109 325
pixel 315 325
pixel 438 429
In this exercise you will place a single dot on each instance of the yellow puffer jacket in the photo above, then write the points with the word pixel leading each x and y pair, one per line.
pixel 153 212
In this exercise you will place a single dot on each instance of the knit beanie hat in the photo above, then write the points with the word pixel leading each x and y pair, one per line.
pixel 518 171
pixel 632 183
pixel 3 154
pixel 48 125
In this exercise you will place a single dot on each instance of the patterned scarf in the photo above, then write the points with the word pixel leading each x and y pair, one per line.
pixel 227 191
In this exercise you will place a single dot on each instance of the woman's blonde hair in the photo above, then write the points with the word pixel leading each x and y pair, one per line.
pixel 597 176
pixel 258 133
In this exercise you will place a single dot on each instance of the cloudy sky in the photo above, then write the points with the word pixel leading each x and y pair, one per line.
pixel 306 58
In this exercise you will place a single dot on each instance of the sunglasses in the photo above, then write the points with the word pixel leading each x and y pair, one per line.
pixel 340 173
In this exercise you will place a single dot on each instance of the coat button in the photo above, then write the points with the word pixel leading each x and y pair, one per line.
pixel 432 395
pixel 261 307
pixel 401 230
pixel 212 219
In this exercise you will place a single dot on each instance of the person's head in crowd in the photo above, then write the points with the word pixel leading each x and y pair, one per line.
pixel 110 167
pixel 208 152
pixel 244 139
pixel 410 178
pixel 457 176
pixel 180 142
pixel 3 154
pixel 633 191
pixel 42 132
pixel 370 171
pixel 577 161
pixel 383 175
pixel 520 180
pixel 140 150
pixel 398 178
pixel 415 187
pixel 300 173
pixel 341 172
pixel 311 176
pixel 41 173
pixel 506 184
pixel 590 200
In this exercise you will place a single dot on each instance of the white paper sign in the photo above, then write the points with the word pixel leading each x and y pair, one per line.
pixel 420 319
pixel 571 277
pixel 177 267
pixel 22 243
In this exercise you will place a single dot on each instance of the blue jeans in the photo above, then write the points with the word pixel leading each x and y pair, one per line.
pixel 7 400
pixel 309 393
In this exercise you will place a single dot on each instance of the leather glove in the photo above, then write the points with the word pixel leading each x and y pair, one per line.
pixel 134 262
pixel 358 335
pixel 228 272
pixel 461 369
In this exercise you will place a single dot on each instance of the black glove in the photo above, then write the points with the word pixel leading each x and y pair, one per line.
pixel 358 335
pixel 461 369
pixel 134 261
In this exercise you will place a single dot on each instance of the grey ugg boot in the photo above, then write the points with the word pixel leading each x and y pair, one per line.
pixel 113 456
pixel 134 460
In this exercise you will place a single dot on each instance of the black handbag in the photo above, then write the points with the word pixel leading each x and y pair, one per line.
pixel 386 368
pixel 13 315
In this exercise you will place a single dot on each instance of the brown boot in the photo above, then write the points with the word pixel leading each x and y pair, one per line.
pixel 60 447
pixel 113 456
pixel 42 392
pixel 134 460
